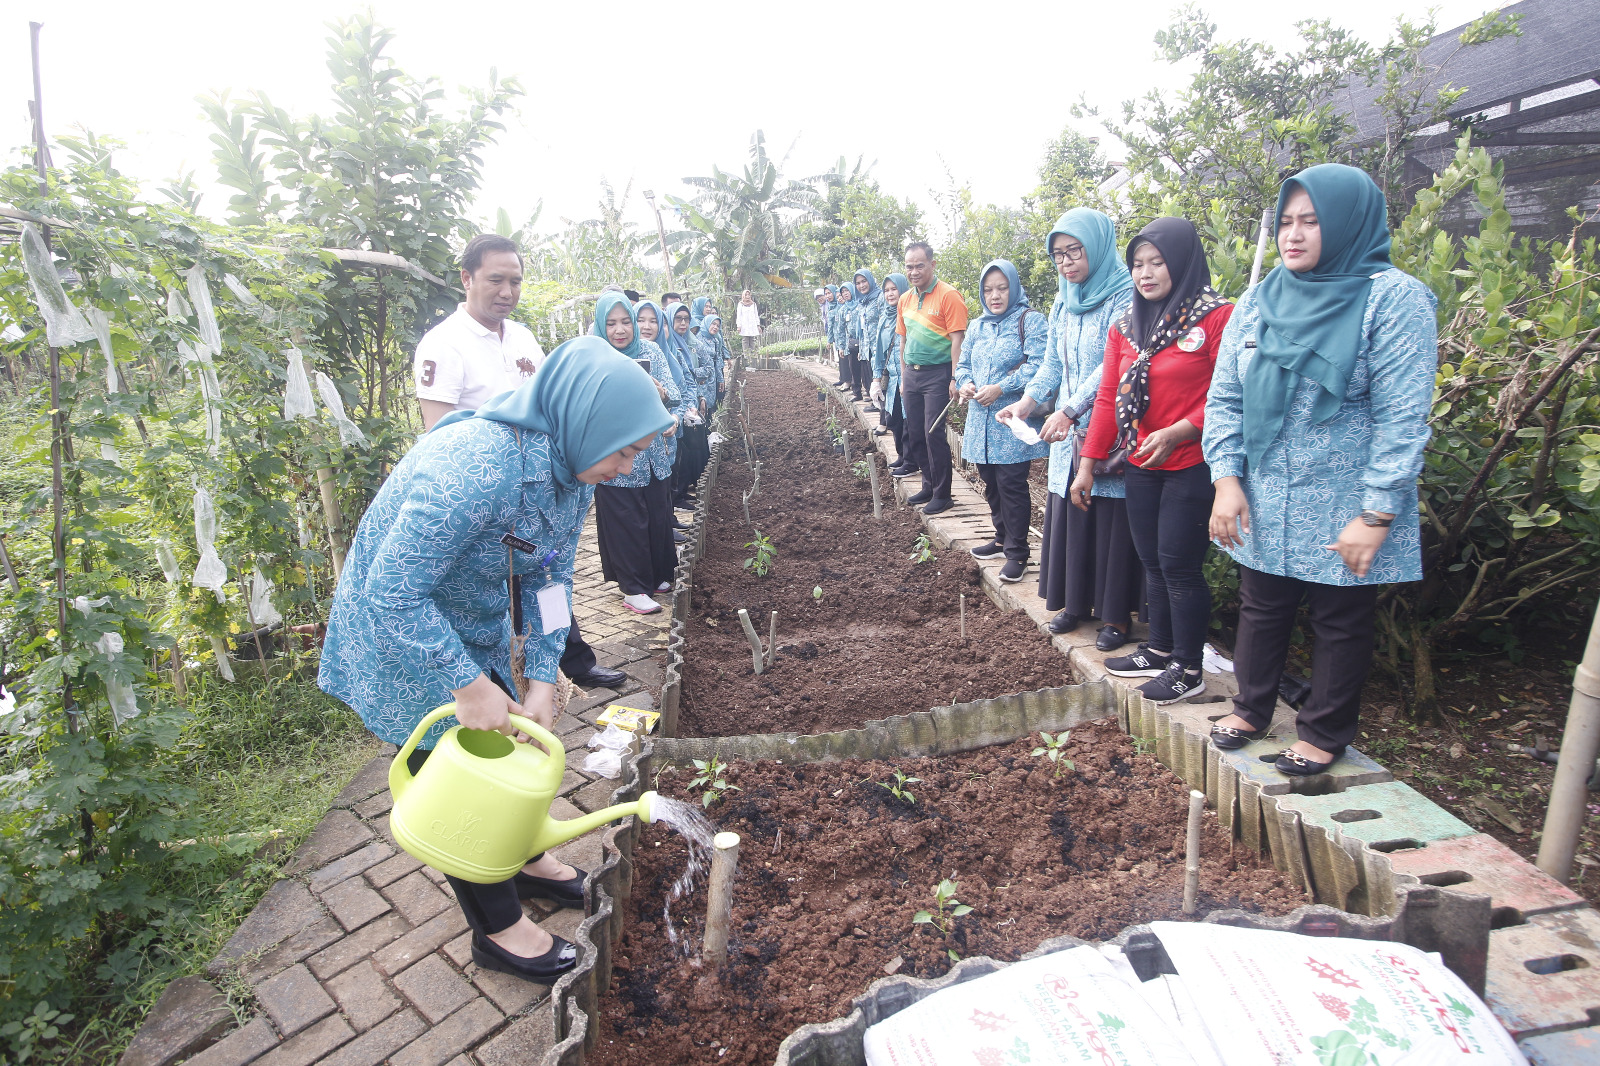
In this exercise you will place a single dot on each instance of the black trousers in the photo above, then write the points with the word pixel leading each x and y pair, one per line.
pixel 1087 565
pixel 927 393
pixel 844 358
pixel 1341 653
pixel 634 529
pixel 1005 487
pixel 1169 514
pixel 893 419
pixel 487 908
pixel 860 371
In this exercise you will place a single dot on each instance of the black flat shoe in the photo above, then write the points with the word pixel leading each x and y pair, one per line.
pixel 568 893
pixel 599 677
pixel 677 524
pixel 544 969
pixel 1294 764
pixel 1062 623
pixel 678 537
pixel 919 497
pixel 1227 738
pixel 1110 638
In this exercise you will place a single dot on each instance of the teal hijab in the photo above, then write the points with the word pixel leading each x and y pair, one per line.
pixel 602 311
pixel 873 291
pixel 697 312
pixel 1108 274
pixel 588 398
pixel 1017 301
pixel 1311 319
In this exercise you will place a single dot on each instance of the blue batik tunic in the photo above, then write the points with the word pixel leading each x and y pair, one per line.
pixel 850 322
pixel 990 355
pixel 656 460
pixel 886 354
pixel 1315 478
pixel 421 608
pixel 1074 356
pixel 705 375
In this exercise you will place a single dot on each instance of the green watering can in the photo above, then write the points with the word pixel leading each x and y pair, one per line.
pixel 479 808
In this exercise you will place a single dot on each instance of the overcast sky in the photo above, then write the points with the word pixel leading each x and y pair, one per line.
pixel 980 88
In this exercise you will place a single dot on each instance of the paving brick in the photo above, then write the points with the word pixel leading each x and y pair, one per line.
pixel 338 834
pixel 392 870
pixel 1382 815
pixel 314 937
pixel 378 1044
pixel 239 1047
pixel 1579 1047
pixel 462 1029
pixel 191 1014
pixel 293 1000
pixel 525 1040
pixel 369 780
pixel 310 1046
pixel 416 897
pixel 595 795
pixel 354 903
pixel 349 866
pixel 1544 975
pixel 459 950
pixel 423 940
pixel 363 995
pixel 1480 863
pixel 511 994
pixel 287 908
pixel 433 875
pixel 360 944
pixel 434 988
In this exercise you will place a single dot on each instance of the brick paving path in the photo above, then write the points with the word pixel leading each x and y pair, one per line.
pixel 359 955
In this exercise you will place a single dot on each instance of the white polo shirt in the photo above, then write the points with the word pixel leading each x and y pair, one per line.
pixel 462 363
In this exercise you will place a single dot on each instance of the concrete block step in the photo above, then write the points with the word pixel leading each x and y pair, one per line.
pixel 1480 863
pixel 1544 975
pixel 1577 1047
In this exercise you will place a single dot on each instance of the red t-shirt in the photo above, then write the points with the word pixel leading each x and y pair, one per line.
pixel 1179 381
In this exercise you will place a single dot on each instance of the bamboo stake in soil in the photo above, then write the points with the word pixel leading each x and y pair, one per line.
pixel 333 519
pixel 872 474
pixel 1191 864
pixel 963 596
pixel 755 642
pixel 772 639
pixel 719 896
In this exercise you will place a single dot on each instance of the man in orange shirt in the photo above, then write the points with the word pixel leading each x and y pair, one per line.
pixel 933 321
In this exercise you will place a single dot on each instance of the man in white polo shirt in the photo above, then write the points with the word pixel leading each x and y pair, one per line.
pixel 477 353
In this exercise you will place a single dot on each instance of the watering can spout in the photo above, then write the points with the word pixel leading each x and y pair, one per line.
pixel 555 831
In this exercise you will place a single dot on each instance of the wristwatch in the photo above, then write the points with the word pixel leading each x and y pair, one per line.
pixel 1373 518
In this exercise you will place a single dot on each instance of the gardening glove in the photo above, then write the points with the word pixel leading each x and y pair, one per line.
pixel 877 392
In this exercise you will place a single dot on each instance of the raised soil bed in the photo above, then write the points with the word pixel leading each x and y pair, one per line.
pixel 884 636
pixel 824 909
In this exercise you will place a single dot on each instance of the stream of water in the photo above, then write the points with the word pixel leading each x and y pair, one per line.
pixel 689 822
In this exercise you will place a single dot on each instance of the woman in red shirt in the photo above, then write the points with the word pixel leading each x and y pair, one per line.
pixel 1152 400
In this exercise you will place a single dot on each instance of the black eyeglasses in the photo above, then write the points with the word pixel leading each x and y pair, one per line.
pixel 1069 255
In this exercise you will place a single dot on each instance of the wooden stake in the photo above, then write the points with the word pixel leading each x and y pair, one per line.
pixel 1191 864
pixel 719 896
pixel 772 639
pixel 963 596
pixel 872 474
pixel 755 642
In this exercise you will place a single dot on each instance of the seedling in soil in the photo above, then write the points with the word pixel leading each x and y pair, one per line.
pixel 765 551
pixel 1053 749
pixel 835 431
pixel 898 789
pixel 922 550
pixel 946 908
pixel 1144 745
pixel 711 777
pixel 859 469
pixel 816 593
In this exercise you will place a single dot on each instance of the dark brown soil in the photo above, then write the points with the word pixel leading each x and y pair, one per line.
pixel 883 637
pixel 822 910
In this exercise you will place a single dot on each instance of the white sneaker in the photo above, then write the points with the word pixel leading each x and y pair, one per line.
pixel 641 604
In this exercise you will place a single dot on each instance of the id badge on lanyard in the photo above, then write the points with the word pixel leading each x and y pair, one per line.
pixel 554 610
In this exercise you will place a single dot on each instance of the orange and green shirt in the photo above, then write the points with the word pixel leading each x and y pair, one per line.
pixel 927 319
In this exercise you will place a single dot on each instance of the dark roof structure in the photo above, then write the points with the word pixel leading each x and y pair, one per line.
pixel 1532 100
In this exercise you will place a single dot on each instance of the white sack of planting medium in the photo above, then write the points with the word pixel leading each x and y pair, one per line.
pixel 1281 999
pixel 1062 1009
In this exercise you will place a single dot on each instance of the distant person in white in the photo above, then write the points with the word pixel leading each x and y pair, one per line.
pixel 478 352
pixel 748 320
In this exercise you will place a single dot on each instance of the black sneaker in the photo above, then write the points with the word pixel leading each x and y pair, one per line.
pixel 920 497
pixel 1173 684
pixel 987 551
pixel 1142 663
pixel 1012 571
pixel 904 471
pixel 938 505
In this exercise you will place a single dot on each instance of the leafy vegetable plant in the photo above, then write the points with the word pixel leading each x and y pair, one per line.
pixel 897 788
pixel 1054 750
pixel 765 551
pixel 946 908
pixel 859 469
pixel 712 779
pixel 922 550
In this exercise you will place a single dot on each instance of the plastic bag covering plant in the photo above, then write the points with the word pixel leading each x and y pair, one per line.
pixel 205 373
pixel 262 612
pixel 297 401
pixel 100 322
pixel 64 323
pixel 209 573
pixel 349 432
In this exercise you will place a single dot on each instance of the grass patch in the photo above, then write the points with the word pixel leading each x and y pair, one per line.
pixel 805 345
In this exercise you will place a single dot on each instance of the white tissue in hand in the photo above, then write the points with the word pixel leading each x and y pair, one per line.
pixel 1021 430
